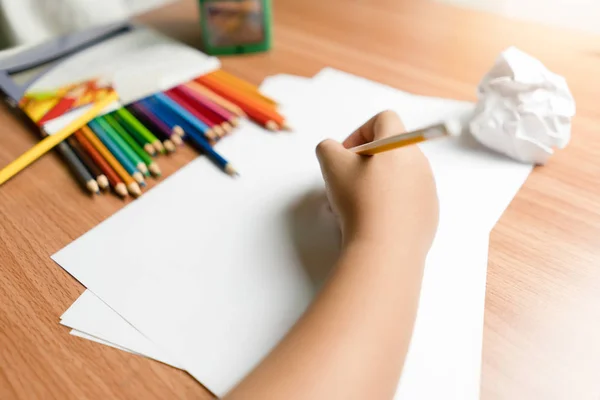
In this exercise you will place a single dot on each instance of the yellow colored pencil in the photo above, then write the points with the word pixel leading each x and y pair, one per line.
pixel 51 141
pixel 449 128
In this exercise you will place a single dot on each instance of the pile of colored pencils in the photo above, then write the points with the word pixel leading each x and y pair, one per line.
pixel 117 150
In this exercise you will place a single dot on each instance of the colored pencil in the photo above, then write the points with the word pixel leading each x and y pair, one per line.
pixel 98 128
pixel 161 114
pixel 448 128
pixel 139 138
pixel 113 178
pixel 153 123
pixel 51 141
pixel 133 123
pixel 260 114
pixel 149 164
pixel 132 185
pixel 174 123
pixel 215 126
pixel 215 98
pixel 123 145
pixel 204 147
pixel 206 103
pixel 83 176
pixel 167 102
pixel 243 85
pixel 89 163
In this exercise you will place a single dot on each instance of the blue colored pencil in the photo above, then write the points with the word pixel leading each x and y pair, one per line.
pixel 164 114
pixel 185 115
pixel 117 152
pixel 204 147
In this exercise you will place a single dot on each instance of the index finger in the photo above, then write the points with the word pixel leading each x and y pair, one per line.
pixel 382 125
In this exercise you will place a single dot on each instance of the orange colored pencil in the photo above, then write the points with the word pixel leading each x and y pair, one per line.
pixel 243 85
pixel 113 178
pixel 132 185
pixel 215 98
pixel 258 112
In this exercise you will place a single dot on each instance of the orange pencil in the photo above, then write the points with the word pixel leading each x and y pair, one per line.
pixel 113 178
pixel 132 185
pixel 258 112
pixel 243 86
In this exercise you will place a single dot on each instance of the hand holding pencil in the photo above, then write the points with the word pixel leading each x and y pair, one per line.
pixel 389 200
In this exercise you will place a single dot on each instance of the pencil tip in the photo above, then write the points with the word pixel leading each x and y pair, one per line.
pixel 93 187
pixel 231 171
pixel 150 149
pixel 272 126
pixel 103 182
pixel 159 146
pixel 170 146
pixel 134 189
pixel 121 189
pixel 155 169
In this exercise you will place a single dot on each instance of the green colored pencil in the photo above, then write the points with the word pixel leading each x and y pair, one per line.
pixel 121 144
pixel 139 127
pixel 152 166
pixel 134 133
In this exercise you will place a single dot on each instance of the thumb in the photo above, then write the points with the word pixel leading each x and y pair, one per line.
pixel 333 157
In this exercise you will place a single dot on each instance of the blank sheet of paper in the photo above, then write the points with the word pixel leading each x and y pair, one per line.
pixel 230 277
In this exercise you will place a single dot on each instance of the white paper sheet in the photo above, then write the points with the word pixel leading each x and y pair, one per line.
pixel 205 352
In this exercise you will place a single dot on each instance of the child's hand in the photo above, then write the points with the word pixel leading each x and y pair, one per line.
pixel 389 198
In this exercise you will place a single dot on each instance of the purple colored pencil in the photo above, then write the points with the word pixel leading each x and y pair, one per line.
pixel 152 119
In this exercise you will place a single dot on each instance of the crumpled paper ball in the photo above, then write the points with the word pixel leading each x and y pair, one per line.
pixel 524 110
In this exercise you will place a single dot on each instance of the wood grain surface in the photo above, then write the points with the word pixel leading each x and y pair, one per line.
pixel 542 316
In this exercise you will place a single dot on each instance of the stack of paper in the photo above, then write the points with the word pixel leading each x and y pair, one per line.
pixel 216 283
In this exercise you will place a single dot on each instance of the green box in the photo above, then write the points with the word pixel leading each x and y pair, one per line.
pixel 236 26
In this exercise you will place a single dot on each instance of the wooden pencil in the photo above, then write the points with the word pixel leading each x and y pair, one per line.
pixel 270 119
pixel 149 163
pixel 162 115
pixel 104 137
pixel 215 126
pixel 242 85
pixel 80 172
pixel 168 103
pixel 174 123
pixel 155 125
pixel 204 147
pixel 113 178
pixel 123 145
pixel 51 141
pixel 448 128
pixel 139 138
pixel 133 123
pixel 89 163
pixel 206 103
pixel 132 186
pixel 215 98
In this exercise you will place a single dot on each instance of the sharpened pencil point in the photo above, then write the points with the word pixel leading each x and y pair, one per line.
pixel 92 186
pixel 170 146
pixel 177 130
pixel 121 189
pixel 103 182
pixel 227 127
pixel 150 149
pixel 159 146
pixel 231 171
pixel 177 140
pixel 142 168
pixel 286 127
pixel 139 178
pixel 272 126
pixel 155 169
pixel 235 121
pixel 210 134
pixel 134 189
pixel 218 131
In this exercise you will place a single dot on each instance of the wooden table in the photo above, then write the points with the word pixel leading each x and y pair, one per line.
pixel 542 317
